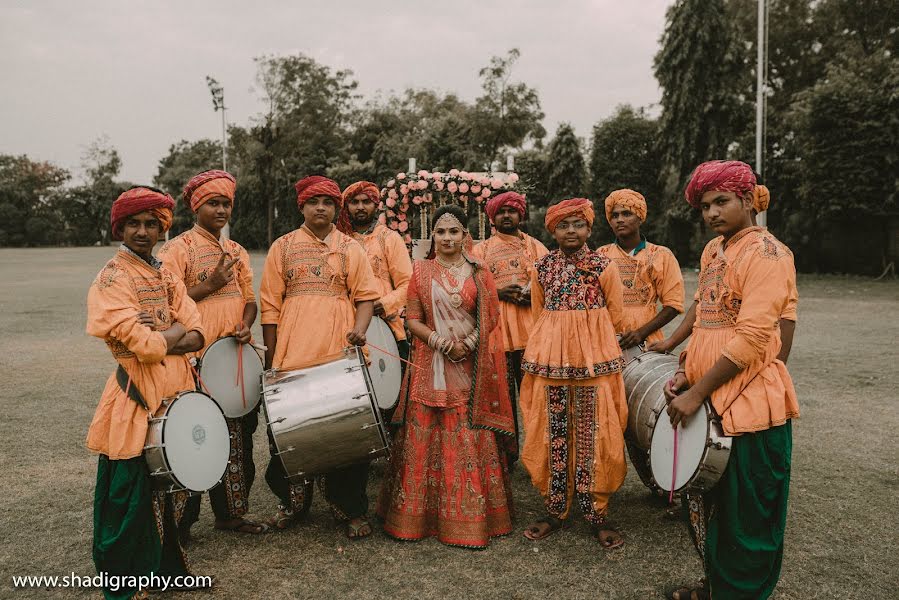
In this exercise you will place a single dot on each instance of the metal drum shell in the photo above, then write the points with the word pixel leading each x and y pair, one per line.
pixel 323 417
pixel 644 381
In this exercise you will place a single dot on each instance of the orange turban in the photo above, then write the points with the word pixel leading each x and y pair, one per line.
pixel 633 201
pixel 316 185
pixel 137 200
pixel 720 175
pixel 207 185
pixel 360 187
pixel 761 198
pixel 513 199
pixel 567 208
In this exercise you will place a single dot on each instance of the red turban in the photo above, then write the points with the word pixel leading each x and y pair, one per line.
pixel 138 200
pixel 207 185
pixel 761 198
pixel 629 199
pixel 719 175
pixel 360 187
pixel 316 185
pixel 513 199
pixel 567 208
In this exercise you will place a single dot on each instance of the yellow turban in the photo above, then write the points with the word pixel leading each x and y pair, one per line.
pixel 633 201
pixel 761 198
pixel 567 208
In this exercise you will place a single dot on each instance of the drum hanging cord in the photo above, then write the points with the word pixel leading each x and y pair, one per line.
pixel 392 355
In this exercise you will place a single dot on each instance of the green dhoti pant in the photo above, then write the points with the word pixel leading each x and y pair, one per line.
pixel 134 527
pixel 738 526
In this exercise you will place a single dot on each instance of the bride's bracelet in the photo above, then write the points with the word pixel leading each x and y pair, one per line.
pixel 471 341
pixel 432 340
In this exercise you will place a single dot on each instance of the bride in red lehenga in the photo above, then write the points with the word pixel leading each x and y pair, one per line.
pixel 447 475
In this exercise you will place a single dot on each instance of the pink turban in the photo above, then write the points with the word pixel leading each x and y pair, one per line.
pixel 633 201
pixel 137 200
pixel 207 185
pixel 567 208
pixel 719 175
pixel 316 185
pixel 360 187
pixel 513 199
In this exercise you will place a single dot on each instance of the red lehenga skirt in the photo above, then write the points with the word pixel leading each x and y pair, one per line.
pixel 446 480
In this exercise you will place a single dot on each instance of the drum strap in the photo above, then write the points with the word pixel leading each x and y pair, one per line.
pixel 124 381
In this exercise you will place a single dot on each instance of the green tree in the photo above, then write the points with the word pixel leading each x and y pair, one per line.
pixel 184 160
pixel 625 153
pixel 28 198
pixel 566 171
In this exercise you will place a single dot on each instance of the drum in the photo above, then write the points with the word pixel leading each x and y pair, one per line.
pixel 385 371
pixel 645 378
pixel 187 445
pixel 324 417
pixel 640 462
pixel 702 452
pixel 231 373
pixel 630 354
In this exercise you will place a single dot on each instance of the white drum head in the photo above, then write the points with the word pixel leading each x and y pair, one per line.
pixel 219 372
pixel 196 442
pixel 385 371
pixel 691 442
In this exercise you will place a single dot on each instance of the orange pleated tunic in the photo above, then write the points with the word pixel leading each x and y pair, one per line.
pixel 651 277
pixel 192 257
pixel 126 286
pixel 309 288
pixel 744 290
pixel 511 259
pixel 392 269
pixel 572 396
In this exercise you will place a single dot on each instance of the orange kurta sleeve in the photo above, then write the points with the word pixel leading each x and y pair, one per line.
pixel 668 281
pixel 272 288
pixel 765 285
pixel 184 308
pixel 360 281
pixel 790 309
pixel 613 290
pixel 112 313
pixel 399 265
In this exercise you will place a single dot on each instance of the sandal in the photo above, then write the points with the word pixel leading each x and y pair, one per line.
pixel 689 592
pixel 244 526
pixel 607 541
pixel 533 532
pixel 283 519
pixel 358 528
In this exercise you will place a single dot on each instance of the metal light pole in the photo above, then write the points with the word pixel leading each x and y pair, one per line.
pixel 218 102
pixel 760 98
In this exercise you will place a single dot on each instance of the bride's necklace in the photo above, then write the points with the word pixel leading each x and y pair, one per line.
pixel 453 276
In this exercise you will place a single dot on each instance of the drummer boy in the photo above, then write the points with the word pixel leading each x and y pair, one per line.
pixel 317 295
pixel 738 526
pixel 218 276
pixel 149 323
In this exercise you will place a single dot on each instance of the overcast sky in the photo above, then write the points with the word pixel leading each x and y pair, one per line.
pixel 135 71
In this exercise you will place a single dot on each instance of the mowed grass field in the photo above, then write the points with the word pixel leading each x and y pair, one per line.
pixel 842 534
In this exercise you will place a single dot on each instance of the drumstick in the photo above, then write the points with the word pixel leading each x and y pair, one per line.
pixel 673 468
pixel 393 355
pixel 259 346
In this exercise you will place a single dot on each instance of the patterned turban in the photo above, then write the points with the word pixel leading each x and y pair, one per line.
pixel 761 198
pixel 513 199
pixel 207 185
pixel 360 187
pixel 316 185
pixel 138 200
pixel 719 175
pixel 629 199
pixel 567 208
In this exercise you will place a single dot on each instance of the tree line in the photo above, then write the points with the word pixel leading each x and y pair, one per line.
pixel 831 143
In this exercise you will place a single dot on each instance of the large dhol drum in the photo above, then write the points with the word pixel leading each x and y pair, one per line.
pixel 231 373
pixel 324 417
pixel 188 444
pixel 645 378
pixel 702 452
pixel 385 371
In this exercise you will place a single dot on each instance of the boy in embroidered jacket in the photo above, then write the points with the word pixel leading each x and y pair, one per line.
pixel 744 287
pixel 650 273
pixel 510 254
pixel 145 316
pixel 572 396
pixel 317 295
pixel 219 278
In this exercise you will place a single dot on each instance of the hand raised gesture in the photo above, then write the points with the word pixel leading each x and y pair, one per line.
pixel 222 274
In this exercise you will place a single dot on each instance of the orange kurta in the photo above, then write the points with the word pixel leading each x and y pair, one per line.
pixel 126 286
pixel 192 257
pixel 744 290
pixel 392 268
pixel 650 277
pixel 572 397
pixel 510 259
pixel 309 289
